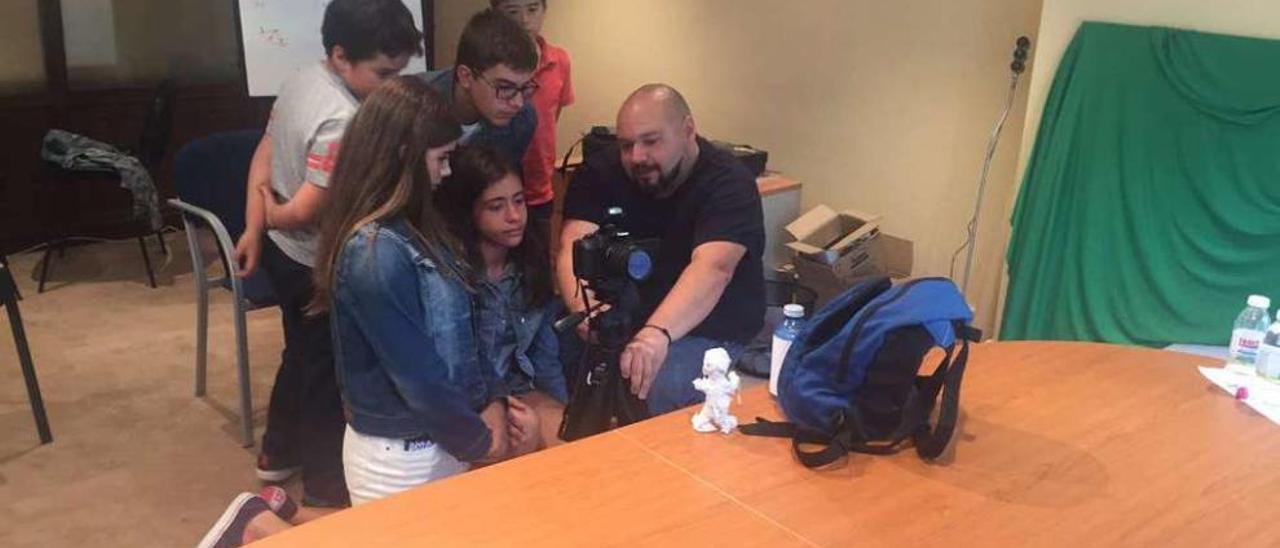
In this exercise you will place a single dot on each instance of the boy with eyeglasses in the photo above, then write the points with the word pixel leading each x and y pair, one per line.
pixel 491 83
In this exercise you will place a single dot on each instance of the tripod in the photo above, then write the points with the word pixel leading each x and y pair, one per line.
pixel 599 398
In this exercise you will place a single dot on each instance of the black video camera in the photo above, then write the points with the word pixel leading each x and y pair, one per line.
pixel 609 256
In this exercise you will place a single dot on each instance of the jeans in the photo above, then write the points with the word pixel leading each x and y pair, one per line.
pixel 305 423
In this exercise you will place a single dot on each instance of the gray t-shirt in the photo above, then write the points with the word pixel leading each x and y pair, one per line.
pixel 307 122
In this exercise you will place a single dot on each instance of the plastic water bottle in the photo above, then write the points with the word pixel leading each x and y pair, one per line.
pixel 783 336
pixel 1268 362
pixel 1249 329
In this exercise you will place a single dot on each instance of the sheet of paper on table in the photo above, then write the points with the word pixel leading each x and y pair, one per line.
pixel 1263 395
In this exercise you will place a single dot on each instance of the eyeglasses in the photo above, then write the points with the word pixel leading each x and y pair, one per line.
pixel 507 92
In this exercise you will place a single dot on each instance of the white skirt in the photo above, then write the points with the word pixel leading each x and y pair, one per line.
pixel 380 467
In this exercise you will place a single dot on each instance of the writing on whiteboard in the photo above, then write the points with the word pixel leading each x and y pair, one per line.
pixel 273 37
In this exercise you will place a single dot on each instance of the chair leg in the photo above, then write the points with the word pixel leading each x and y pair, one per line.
pixel 202 305
pixel 163 247
pixel 242 363
pixel 202 334
pixel 146 259
pixel 44 264
pixel 29 373
pixel 4 262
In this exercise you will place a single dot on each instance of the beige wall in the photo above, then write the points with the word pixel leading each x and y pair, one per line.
pixel 1060 18
pixel 880 106
pixel 21 53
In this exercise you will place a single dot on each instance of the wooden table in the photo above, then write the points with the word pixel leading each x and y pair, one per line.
pixel 1058 444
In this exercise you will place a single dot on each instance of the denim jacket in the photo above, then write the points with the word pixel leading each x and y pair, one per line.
pixel 517 341
pixel 405 346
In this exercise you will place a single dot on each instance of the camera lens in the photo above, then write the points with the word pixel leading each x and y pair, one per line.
pixel 630 260
pixel 639 265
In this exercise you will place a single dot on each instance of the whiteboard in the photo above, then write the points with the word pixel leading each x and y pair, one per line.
pixel 280 36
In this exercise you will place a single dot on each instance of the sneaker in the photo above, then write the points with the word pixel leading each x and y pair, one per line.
pixel 230 529
pixel 274 470
pixel 279 502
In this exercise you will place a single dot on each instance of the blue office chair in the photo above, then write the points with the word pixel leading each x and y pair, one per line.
pixel 209 176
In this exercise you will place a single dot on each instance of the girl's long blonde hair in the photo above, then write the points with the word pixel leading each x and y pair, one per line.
pixel 381 174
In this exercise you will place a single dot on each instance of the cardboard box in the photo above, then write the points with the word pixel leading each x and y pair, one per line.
pixel 835 250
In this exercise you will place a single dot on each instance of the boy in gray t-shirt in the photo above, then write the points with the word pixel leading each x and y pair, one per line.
pixel 305 133
pixel 366 42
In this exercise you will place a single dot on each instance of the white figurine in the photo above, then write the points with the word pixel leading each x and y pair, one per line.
pixel 719 384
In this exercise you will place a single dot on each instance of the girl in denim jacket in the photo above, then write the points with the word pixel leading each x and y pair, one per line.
pixel 483 203
pixel 420 403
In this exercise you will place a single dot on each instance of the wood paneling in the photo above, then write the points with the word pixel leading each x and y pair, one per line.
pixel 114 116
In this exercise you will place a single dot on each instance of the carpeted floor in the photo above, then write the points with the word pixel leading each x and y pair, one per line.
pixel 137 460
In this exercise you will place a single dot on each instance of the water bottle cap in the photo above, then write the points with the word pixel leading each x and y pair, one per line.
pixel 1259 301
pixel 793 311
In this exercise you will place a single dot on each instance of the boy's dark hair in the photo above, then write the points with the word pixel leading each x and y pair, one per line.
pixel 365 28
pixel 491 39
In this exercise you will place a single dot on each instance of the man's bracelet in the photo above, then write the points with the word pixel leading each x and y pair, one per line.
pixel 660 329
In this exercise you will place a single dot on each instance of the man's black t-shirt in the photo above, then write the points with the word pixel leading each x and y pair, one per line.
pixel 719 202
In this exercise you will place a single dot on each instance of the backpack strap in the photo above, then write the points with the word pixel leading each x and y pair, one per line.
pixel 932 441
pixel 833 448
pixel 919 405
pixel 769 429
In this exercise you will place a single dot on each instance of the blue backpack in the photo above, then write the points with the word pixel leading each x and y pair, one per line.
pixel 850 381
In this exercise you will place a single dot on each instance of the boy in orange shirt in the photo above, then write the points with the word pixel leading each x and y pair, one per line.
pixel 555 91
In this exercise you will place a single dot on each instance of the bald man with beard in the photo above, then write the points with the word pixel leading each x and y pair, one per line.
pixel 707 287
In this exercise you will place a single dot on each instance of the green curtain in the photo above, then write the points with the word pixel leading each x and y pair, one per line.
pixel 1151 205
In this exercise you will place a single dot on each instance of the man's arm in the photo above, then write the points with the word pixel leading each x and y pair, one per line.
pixel 249 247
pixel 300 212
pixel 690 301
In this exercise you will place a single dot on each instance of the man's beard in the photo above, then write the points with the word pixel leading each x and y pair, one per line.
pixel 666 181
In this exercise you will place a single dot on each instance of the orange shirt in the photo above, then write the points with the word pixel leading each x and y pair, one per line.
pixel 555 91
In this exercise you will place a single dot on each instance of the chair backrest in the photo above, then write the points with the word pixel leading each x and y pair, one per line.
pixel 158 127
pixel 211 172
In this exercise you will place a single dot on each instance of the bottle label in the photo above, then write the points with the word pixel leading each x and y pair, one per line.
pixel 1269 362
pixel 1244 345
pixel 776 356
